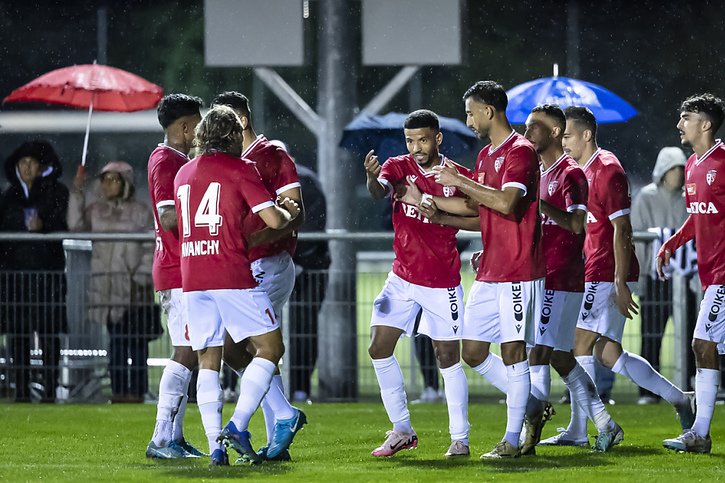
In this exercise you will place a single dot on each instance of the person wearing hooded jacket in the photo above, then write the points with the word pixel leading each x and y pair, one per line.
pixel 120 294
pixel 659 205
pixel 32 279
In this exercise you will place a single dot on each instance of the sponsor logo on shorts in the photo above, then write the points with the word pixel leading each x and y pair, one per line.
pixel 453 304
pixel 517 302
pixel 717 304
pixel 546 310
pixel 589 298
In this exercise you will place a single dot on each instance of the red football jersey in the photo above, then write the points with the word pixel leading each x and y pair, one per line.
pixel 163 165
pixel 563 186
pixel 705 199
pixel 425 252
pixel 512 249
pixel 609 198
pixel 279 174
pixel 214 193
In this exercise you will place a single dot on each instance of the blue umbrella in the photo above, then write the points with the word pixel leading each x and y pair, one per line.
pixel 385 135
pixel 564 91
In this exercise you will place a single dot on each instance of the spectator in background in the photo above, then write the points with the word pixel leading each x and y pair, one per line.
pixel 660 207
pixel 312 259
pixel 32 281
pixel 121 293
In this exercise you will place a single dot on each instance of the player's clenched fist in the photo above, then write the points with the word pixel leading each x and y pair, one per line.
pixel 291 206
pixel 372 166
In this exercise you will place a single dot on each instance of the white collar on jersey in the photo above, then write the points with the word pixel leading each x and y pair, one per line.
pixel 492 150
pixel 592 158
pixel 718 142
pixel 561 158
pixel 162 145
pixel 256 141
pixel 431 173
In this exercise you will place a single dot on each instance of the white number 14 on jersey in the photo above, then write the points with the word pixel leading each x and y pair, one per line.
pixel 207 213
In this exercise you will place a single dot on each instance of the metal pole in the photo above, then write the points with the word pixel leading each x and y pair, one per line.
pixel 337 69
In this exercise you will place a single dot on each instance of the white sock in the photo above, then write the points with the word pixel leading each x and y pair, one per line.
pixel 578 421
pixel 455 385
pixel 170 398
pixel 275 406
pixel 252 387
pixel 392 392
pixel 584 395
pixel 519 384
pixel 540 382
pixel 494 370
pixel 178 431
pixel 706 384
pixel 644 375
pixel 209 400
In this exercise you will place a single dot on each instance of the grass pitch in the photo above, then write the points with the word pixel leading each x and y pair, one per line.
pixel 107 443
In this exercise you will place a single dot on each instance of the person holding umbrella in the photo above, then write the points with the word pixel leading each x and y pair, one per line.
pixel 33 286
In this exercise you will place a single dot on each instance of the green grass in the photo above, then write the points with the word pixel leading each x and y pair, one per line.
pixel 106 443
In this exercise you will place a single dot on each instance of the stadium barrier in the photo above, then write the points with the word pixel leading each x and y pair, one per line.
pixel 93 360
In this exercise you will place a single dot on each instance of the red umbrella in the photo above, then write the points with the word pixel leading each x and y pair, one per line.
pixel 90 86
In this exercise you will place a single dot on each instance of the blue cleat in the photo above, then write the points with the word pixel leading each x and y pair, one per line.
pixel 193 452
pixel 171 451
pixel 283 456
pixel 231 437
pixel 606 439
pixel 284 433
pixel 219 458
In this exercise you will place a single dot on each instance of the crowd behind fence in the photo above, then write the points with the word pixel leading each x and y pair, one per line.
pixel 75 355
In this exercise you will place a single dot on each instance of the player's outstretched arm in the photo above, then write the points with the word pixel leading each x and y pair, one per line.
pixel 574 221
pixel 622 259
pixel 682 236
pixel 167 218
pixel 372 171
pixel 278 217
pixel 269 235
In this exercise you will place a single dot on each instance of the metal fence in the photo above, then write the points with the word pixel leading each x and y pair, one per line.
pixel 58 344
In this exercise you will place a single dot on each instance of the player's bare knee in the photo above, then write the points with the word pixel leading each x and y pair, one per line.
pixel 185 356
pixel 447 357
pixel 473 357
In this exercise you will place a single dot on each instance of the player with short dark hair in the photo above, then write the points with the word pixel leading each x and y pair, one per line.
pixel 610 272
pixel 700 118
pixel 215 192
pixel 178 114
pixel 425 275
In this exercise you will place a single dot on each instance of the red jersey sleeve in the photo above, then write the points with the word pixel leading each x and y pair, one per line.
pixel 576 190
pixel 617 202
pixel 253 190
pixel 519 170
pixel 287 177
pixel 390 174
pixel 163 174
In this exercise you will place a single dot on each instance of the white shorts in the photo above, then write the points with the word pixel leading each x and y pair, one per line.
pixel 400 301
pixel 599 312
pixel 559 313
pixel 276 276
pixel 503 311
pixel 710 324
pixel 172 303
pixel 241 312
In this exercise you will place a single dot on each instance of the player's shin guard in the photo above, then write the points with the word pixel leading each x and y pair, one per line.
pixel 644 375
pixel 209 400
pixel 494 371
pixel 578 422
pixel 584 395
pixel 178 431
pixel 455 385
pixel 519 388
pixel 540 381
pixel 392 392
pixel 170 398
pixel 706 384
pixel 253 386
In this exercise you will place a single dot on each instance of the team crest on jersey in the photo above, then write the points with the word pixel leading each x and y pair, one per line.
pixel 449 191
pixel 552 187
pixel 497 164
pixel 691 189
pixel 710 177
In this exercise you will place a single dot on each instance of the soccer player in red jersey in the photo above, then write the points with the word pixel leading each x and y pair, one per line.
pixel 178 114
pixel 700 118
pixel 504 304
pixel 610 271
pixel 215 193
pixel 425 274
pixel 270 253
pixel 563 200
